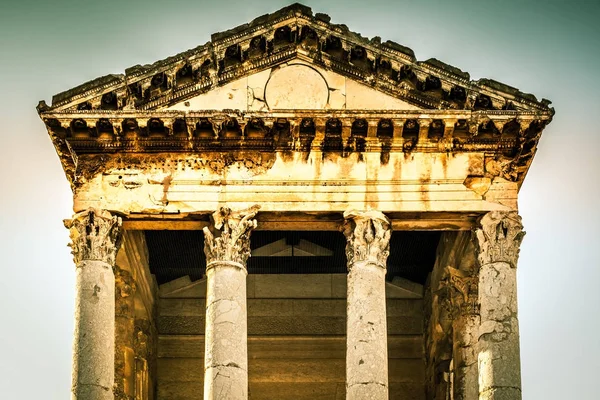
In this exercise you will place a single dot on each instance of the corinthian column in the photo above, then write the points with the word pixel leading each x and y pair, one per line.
pixel 95 239
pixel 226 351
pixel 498 238
pixel 367 249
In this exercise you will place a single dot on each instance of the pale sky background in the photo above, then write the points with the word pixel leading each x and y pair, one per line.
pixel 550 48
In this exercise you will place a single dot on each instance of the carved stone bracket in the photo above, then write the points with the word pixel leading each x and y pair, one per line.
pixel 233 242
pixel 498 237
pixel 95 235
pixel 368 237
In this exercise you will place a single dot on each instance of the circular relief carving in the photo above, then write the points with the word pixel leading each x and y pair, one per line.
pixel 296 86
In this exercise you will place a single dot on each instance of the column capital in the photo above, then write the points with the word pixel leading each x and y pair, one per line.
pixel 463 292
pixel 368 237
pixel 498 236
pixel 233 241
pixel 95 235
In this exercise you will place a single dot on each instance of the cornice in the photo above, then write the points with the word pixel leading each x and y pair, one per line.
pixel 508 139
pixel 294 32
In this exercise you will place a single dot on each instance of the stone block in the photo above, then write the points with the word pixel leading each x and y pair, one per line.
pixel 283 347
pixel 401 288
pixel 183 288
pixel 180 370
pixel 166 390
pixel 294 390
pixel 404 308
pixel 293 325
pixel 293 286
pixel 270 307
pixel 174 325
pixel 182 307
pixel 181 346
pixel 406 391
pixel 339 286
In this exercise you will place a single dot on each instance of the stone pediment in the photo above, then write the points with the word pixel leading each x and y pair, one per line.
pixel 286 87
pixel 294 85
pixel 288 37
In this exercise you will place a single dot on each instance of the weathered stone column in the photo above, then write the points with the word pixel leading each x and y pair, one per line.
pixel 465 330
pixel 95 236
pixel 226 351
pixel 368 242
pixel 498 238
pixel 125 288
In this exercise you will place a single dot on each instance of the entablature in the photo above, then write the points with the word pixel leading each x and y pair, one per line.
pixel 310 117
pixel 296 221
pixel 507 138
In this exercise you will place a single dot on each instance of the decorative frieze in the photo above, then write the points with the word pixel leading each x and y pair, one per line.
pixel 230 138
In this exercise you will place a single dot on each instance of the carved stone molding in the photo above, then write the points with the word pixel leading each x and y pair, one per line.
pixel 95 235
pixel 125 289
pixel 463 292
pixel 498 237
pixel 368 237
pixel 233 241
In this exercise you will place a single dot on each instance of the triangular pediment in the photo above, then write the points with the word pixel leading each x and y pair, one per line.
pixel 294 85
pixel 280 59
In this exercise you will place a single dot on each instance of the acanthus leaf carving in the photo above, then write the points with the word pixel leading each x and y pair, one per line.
pixel 233 241
pixel 367 237
pixel 498 237
pixel 124 282
pixel 503 167
pixel 95 235
pixel 463 291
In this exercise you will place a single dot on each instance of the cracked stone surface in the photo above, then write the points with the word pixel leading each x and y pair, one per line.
pixel 366 353
pixel 498 239
pixel 466 374
pixel 226 349
pixel 94 347
pixel 498 359
pixel 95 240
pixel 226 352
pixel 367 249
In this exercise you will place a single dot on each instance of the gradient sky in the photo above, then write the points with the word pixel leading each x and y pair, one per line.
pixel 550 48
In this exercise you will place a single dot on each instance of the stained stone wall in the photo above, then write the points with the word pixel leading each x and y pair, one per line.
pixel 296 343
pixel 449 306
pixel 135 326
pixel 276 88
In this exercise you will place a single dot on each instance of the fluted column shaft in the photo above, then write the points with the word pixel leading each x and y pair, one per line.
pixel 498 238
pixel 367 248
pixel 96 237
pixel 226 348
